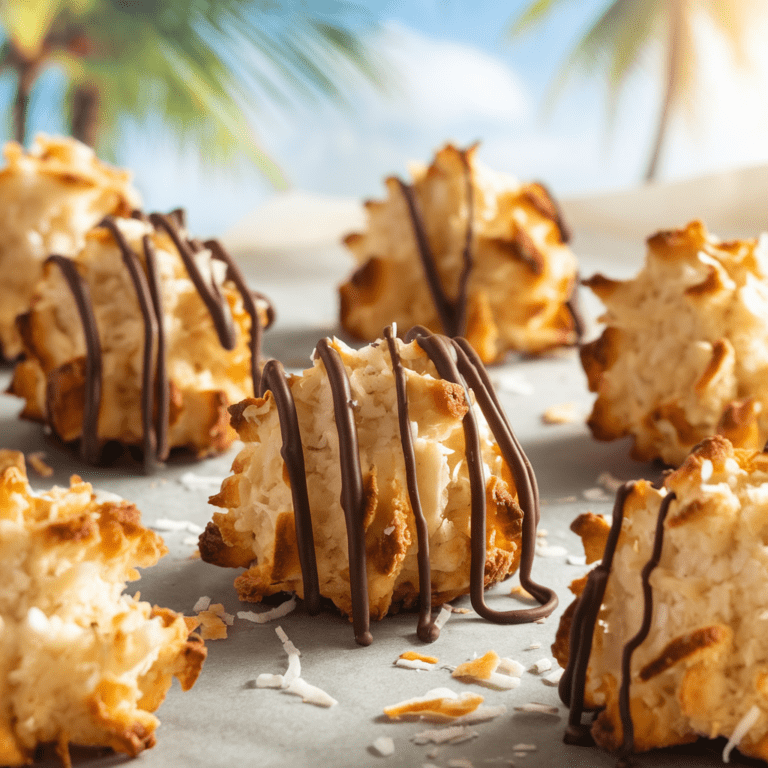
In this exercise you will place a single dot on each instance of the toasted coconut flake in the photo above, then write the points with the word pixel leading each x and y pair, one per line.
pixel 414 656
pixel 263 617
pixel 212 626
pixel 437 705
pixel 36 461
pixel 479 669
pixel 740 731
pixel 310 694
pixel 384 746
pixel 414 664
pixel 218 609
pixel 519 591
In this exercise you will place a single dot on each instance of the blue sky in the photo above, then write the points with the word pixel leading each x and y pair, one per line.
pixel 459 76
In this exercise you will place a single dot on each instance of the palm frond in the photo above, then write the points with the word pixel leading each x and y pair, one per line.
pixel 533 15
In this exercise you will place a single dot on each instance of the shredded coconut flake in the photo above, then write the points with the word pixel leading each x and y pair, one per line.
pixel 594 494
pixel 36 460
pixel 194 482
pixel 384 746
pixel 610 483
pixel 460 762
pixel 533 647
pixel 553 551
pixel 564 413
pixel 510 667
pixel 525 748
pixel 202 604
pixel 265 680
pixel 443 735
pixel 164 524
pixel 443 616
pixel 740 731
pixel 554 677
pixel 541 709
pixel 310 694
pixel 264 616
pixel 513 383
pixel 576 559
pixel 481 715
pixel 542 665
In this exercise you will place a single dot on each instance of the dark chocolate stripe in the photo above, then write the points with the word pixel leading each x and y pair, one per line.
pixel 236 276
pixel 627 725
pixel 352 492
pixel 452 312
pixel 163 385
pixel 573 305
pixel 151 325
pixel 273 379
pixel 441 351
pixel 89 440
pixel 426 630
pixel 571 687
pixel 209 292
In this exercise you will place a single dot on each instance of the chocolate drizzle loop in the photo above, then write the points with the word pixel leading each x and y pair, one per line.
pixel 236 276
pixel 571 687
pixel 352 492
pixel 89 441
pixel 273 379
pixel 457 363
pixel 452 312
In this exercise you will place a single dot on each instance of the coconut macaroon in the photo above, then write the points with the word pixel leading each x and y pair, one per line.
pixel 684 354
pixel 377 480
pixel 668 638
pixel 144 338
pixel 49 198
pixel 468 252
pixel 80 662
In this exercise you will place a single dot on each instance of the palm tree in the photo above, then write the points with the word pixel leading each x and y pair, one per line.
pixel 625 30
pixel 195 63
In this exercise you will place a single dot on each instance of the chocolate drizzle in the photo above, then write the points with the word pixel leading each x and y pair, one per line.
pixel 583 624
pixel 627 725
pixel 155 389
pixel 274 380
pixel 89 442
pixel 426 630
pixel 452 312
pixel 571 687
pixel 352 492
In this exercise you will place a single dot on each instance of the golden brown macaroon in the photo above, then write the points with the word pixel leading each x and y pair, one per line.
pixel 136 342
pixel 684 352
pixel 692 627
pixel 258 529
pixel 50 197
pixel 80 662
pixel 464 251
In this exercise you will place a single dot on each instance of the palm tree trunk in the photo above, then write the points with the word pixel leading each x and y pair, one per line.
pixel 27 72
pixel 86 102
pixel 674 65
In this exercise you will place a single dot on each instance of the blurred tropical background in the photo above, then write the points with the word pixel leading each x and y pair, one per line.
pixel 218 105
